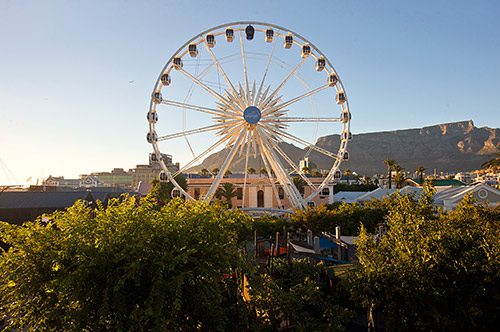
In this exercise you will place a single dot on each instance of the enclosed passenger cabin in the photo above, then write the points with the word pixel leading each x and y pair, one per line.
pixel 163 177
pixel 346 156
pixel 193 50
pixel 345 116
pixel 210 40
pixel 341 97
pixel 288 41
pixel 306 51
pixel 337 175
pixel 320 64
pixel 347 136
pixel 165 79
pixel 249 31
pixel 157 98
pixel 332 80
pixel 153 157
pixel 229 35
pixel 177 63
pixel 269 35
pixel 152 117
pixel 152 137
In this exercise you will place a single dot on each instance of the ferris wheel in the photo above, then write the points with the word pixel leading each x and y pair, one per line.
pixel 250 93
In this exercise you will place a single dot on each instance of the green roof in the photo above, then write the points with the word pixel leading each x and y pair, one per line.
pixel 442 182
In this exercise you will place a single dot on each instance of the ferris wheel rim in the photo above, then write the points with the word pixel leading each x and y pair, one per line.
pixel 181 52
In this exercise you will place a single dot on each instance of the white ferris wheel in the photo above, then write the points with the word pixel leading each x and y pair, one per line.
pixel 253 94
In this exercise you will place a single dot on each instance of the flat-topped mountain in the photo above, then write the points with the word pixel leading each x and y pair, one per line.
pixel 457 146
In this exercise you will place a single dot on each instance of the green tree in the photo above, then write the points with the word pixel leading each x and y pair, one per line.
pixel 299 183
pixel 389 163
pixel 251 170
pixel 420 172
pixel 228 191
pixel 161 192
pixel 347 174
pixel 263 171
pixel 305 170
pixel 127 267
pixel 432 272
pixel 228 174
pixel 204 172
pixel 399 177
pixel 215 171
pixel 293 297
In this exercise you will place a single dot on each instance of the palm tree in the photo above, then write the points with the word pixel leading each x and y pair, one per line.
pixel 215 171
pixel 204 172
pixel 263 171
pixel 420 172
pixel 228 173
pixel 228 191
pixel 251 170
pixel 347 173
pixel 299 184
pixel 389 163
pixel 316 174
pixel 400 176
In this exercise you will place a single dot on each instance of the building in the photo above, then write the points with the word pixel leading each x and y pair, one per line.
pixel 18 207
pixel 259 192
pixel 118 177
pixel 151 171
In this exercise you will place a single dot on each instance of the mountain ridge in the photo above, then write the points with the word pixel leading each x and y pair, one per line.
pixel 446 147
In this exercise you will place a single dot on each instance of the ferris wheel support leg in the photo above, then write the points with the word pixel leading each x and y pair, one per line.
pixel 282 176
pixel 215 184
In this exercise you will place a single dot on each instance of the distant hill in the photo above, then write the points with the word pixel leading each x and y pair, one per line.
pixel 457 146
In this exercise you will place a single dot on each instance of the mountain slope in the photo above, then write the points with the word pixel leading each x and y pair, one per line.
pixel 457 146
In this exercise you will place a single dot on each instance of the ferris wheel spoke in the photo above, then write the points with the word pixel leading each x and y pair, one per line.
pixel 298 119
pixel 282 133
pixel 211 91
pixel 204 153
pixel 291 163
pixel 258 99
pixel 202 109
pixel 282 176
pixel 221 70
pixel 196 131
pixel 224 167
pixel 294 100
pixel 270 174
pixel 278 89
pixel 244 63
pixel 246 171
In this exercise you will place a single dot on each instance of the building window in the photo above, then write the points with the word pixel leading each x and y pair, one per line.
pixel 281 193
pixel 260 198
pixel 310 204
pixel 239 193
pixel 325 192
pixel 196 193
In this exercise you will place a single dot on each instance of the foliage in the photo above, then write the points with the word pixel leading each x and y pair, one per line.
pixel 433 272
pixel 126 267
pixel 161 192
pixel 228 191
pixel 267 226
pixel 349 217
pixel 389 163
pixel 296 295
pixel 299 183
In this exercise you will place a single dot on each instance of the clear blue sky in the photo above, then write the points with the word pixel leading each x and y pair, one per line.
pixel 67 107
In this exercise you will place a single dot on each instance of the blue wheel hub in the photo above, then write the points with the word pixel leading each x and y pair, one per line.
pixel 251 114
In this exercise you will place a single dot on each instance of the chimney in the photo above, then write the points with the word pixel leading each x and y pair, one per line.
pixel 309 237
pixel 316 245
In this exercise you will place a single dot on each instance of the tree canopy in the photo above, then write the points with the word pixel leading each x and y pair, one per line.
pixel 124 267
